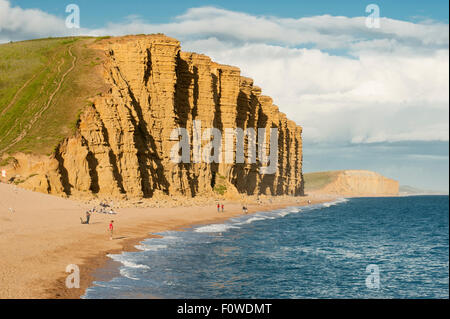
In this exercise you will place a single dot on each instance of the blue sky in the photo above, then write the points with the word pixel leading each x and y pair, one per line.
pixel 367 98
pixel 97 13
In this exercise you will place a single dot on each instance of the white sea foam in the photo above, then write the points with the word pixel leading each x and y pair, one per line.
pixel 125 273
pixel 285 213
pixel 266 215
pixel 149 247
pixel 168 237
pixel 214 228
pixel 342 200
pixel 251 220
pixel 131 264
pixel 126 262
pixel 335 202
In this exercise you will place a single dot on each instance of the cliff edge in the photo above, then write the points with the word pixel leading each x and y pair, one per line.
pixel 123 139
pixel 350 183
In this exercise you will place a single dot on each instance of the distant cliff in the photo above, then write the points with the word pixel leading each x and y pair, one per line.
pixel 350 183
pixel 122 144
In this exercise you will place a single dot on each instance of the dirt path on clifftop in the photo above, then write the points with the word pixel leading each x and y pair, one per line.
pixel 39 114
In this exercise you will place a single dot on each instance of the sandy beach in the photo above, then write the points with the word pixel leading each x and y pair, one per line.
pixel 43 235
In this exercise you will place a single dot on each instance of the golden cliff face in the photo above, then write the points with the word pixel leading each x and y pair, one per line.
pixel 361 183
pixel 123 142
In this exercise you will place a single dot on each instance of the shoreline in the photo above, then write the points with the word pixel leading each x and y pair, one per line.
pixel 92 265
pixel 43 235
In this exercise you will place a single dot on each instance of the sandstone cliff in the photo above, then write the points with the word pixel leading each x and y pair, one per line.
pixel 122 144
pixel 351 183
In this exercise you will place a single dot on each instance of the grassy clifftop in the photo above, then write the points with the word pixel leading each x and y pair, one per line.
pixel 318 180
pixel 43 86
pixel 351 183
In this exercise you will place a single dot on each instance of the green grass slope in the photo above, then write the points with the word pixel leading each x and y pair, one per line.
pixel 44 84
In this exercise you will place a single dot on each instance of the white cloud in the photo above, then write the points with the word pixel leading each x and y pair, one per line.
pixel 323 32
pixel 19 24
pixel 339 79
pixel 374 98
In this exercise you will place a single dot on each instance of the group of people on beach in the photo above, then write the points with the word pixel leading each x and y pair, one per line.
pixel 110 227
pixel 221 207
pixel 104 209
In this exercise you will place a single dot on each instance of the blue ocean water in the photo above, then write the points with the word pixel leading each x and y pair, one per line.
pixel 319 251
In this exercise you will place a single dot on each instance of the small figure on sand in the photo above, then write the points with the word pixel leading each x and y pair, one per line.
pixel 88 216
pixel 218 207
pixel 244 209
pixel 222 208
pixel 309 201
pixel 111 229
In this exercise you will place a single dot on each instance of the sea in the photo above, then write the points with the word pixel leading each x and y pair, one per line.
pixel 385 247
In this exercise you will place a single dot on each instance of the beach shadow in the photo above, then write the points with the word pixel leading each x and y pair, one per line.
pixel 114 238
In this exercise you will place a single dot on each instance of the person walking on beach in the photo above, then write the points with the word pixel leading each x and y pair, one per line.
pixel 222 208
pixel 218 207
pixel 88 216
pixel 111 229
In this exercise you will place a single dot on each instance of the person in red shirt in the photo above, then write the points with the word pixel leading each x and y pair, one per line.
pixel 222 208
pixel 111 229
pixel 218 207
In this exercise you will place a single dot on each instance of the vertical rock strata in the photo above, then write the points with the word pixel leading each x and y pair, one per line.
pixel 123 145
